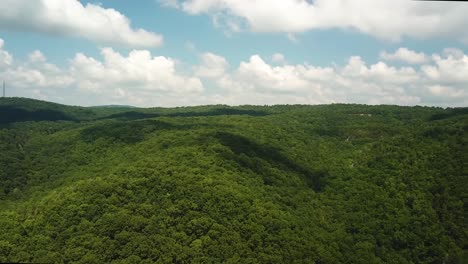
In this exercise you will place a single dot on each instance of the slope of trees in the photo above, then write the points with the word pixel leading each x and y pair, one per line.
pixel 218 184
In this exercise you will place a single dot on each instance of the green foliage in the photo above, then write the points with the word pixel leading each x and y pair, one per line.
pixel 218 184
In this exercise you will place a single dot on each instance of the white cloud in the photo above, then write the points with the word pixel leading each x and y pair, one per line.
pixel 450 68
pixel 170 3
pixel 37 80
pixel 5 58
pixel 138 78
pixel 37 56
pixel 257 74
pixel 71 18
pixel 446 91
pixel 138 71
pixel 355 82
pixel 379 72
pixel 405 55
pixel 258 82
pixel 384 19
pixel 35 73
pixel 278 58
pixel 212 66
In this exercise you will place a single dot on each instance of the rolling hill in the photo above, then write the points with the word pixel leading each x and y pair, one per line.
pixel 219 184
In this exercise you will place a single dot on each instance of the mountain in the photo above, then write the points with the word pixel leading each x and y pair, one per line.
pixel 114 106
pixel 219 184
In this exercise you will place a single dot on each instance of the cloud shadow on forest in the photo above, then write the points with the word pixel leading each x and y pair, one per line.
pixel 10 114
pixel 133 115
pixel 241 146
pixel 452 113
pixel 131 132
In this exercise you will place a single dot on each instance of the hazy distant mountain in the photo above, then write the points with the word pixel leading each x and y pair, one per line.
pixel 114 106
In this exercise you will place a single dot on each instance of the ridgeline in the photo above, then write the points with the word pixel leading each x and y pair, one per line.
pixel 219 184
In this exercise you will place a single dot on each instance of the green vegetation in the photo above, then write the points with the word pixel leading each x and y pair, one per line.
pixel 218 184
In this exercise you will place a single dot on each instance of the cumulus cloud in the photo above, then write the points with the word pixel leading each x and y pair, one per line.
pixel 255 81
pixel 139 70
pixel 139 78
pixel 355 82
pixel 446 91
pixel 380 72
pixel 212 66
pixel 5 58
pixel 170 3
pixel 35 73
pixel 72 18
pixel 278 58
pixel 405 55
pixel 37 56
pixel 390 20
pixel 257 74
pixel 450 67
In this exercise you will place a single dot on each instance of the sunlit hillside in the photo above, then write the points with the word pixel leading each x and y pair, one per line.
pixel 218 184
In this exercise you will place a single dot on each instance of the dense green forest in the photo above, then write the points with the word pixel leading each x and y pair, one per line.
pixel 218 184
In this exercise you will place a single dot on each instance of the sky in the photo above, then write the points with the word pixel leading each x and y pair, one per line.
pixel 201 52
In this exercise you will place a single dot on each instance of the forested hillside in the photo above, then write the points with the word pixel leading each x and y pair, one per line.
pixel 218 184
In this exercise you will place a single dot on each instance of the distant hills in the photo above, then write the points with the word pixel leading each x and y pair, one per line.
pixel 113 106
pixel 218 184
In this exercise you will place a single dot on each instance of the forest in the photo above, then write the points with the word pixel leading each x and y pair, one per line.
pixel 339 183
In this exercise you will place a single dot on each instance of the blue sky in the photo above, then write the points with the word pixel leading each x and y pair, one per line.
pixel 221 51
